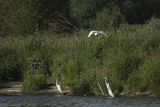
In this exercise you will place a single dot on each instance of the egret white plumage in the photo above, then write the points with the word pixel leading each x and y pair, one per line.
pixel 97 33
pixel 58 87
pixel 108 88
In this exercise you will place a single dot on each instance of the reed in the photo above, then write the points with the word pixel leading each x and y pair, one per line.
pixel 126 57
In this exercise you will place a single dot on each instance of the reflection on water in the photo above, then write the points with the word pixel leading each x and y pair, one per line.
pixel 68 101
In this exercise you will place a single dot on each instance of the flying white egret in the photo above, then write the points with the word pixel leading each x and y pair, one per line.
pixel 108 88
pixel 97 33
pixel 58 87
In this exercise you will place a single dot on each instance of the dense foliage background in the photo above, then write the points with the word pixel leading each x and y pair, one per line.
pixel 44 40
pixel 28 16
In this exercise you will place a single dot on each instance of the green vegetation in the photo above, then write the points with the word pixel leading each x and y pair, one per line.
pixel 44 40
pixel 128 57
pixel 34 83
pixel 67 16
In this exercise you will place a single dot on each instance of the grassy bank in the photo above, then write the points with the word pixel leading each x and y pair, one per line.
pixel 130 58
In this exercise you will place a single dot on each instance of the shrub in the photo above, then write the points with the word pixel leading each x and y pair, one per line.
pixel 34 82
pixel 70 72
pixel 83 87
pixel 110 19
pixel 124 57
pixel 12 64
pixel 147 77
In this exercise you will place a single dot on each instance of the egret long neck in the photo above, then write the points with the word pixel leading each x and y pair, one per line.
pixel 107 84
pixel 106 81
pixel 56 82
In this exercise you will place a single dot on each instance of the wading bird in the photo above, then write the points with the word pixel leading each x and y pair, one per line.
pixel 108 88
pixel 96 33
pixel 58 86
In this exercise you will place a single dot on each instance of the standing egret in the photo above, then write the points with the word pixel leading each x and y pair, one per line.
pixel 58 87
pixel 108 88
pixel 97 33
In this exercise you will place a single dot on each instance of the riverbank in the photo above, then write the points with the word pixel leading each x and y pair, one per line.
pixel 15 88
pixel 138 94
pixel 129 58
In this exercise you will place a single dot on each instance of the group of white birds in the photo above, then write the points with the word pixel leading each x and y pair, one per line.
pixel 107 85
pixel 101 33
pixel 95 33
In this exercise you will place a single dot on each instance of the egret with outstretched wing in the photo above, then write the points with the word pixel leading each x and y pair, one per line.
pixel 96 33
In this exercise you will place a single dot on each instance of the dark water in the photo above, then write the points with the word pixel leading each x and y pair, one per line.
pixel 68 101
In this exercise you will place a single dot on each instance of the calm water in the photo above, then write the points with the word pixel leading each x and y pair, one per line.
pixel 68 101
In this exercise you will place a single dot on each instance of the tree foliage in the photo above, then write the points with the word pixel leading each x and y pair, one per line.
pixel 23 17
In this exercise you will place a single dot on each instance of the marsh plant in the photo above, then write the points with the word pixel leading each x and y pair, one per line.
pixel 129 58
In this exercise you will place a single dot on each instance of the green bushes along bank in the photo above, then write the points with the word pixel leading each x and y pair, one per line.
pixel 129 57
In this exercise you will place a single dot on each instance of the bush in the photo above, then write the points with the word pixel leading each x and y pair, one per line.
pixel 83 87
pixel 34 82
pixel 82 11
pixel 147 77
pixel 12 64
pixel 70 72
pixel 124 57
pixel 110 19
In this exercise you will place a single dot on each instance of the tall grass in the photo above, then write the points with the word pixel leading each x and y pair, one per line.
pixel 127 57
pixel 34 83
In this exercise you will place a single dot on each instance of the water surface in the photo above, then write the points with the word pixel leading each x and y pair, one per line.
pixel 69 101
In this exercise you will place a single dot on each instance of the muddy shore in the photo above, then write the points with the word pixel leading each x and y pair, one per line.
pixel 15 88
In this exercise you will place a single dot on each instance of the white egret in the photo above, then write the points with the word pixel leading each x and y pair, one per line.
pixel 108 88
pixel 58 87
pixel 97 33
